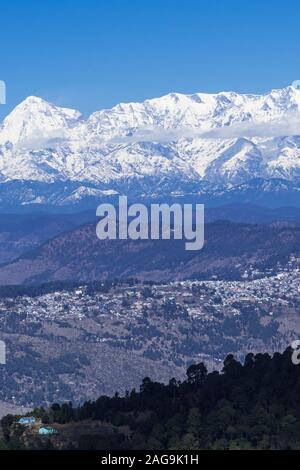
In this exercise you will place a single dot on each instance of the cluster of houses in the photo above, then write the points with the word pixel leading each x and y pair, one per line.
pixel 31 421
pixel 129 301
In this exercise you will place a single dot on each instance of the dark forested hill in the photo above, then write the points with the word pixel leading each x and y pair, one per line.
pixel 230 249
pixel 255 405
pixel 20 233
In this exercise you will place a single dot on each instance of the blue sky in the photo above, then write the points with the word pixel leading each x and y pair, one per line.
pixel 93 54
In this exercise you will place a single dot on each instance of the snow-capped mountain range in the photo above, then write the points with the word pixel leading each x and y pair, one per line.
pixel 189 141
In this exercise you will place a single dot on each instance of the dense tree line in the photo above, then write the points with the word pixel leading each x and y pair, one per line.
pixel 254 405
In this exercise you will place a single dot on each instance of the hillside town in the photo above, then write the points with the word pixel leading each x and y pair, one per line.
pixel 84 340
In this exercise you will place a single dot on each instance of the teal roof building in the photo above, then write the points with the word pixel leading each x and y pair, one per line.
pixel 27 420
pixel 47 431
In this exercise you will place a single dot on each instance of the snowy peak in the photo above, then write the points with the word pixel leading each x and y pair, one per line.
pixel 35 118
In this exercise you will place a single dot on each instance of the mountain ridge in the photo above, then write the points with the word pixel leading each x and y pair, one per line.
pixel 224 140
pixel 79 255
